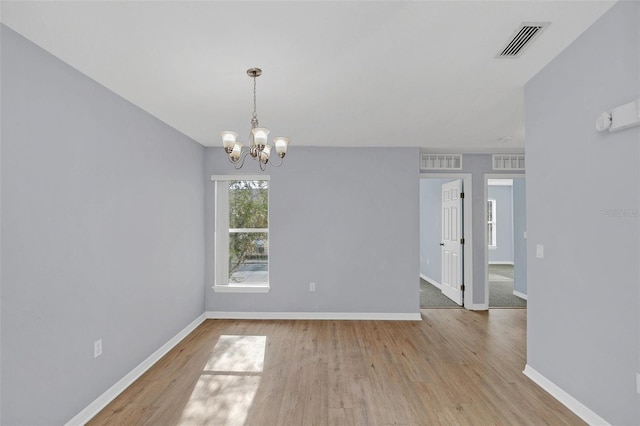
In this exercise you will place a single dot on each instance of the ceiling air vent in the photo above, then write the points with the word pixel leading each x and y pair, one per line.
pixel 441 162
pixel 522 38
pixel 508 161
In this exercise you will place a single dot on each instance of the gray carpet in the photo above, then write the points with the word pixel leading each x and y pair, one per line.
pixel 500 291
pixel 432 297
pixel 501 288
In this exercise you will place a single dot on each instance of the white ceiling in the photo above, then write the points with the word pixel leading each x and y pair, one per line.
pixel 335 73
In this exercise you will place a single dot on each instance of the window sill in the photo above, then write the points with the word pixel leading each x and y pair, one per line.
pixel 247 288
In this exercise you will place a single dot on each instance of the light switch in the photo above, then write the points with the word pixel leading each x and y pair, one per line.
pixel 539 251
pixel 525 235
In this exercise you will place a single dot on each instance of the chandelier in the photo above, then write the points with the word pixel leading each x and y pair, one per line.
pixel 259 148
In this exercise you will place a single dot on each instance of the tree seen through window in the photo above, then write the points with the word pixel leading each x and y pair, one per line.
pixel 248 231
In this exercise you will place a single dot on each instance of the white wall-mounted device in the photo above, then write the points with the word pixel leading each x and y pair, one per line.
pixel 621 117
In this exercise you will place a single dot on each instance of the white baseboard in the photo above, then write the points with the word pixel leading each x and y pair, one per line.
pixel 501 262
pixel 431 280
pixel 477 307
pixel 520 295
pixel 96 406
pixel 567 400
pixel 315 316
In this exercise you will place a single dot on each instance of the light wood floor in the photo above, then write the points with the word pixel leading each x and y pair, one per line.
pixel 456 367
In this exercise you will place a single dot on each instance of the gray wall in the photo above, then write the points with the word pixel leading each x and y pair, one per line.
pixel 583 325
pixel 519 242
pixel 504 223
pixel 344 218
pixel 431 227
pixel 102 219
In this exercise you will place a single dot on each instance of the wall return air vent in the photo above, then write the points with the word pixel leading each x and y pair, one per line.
pixel 522 38
pixel 508 161
pixel 441 162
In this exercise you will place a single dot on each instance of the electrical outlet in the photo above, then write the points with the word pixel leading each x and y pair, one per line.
pixel 312 286
pixel 97 348
pixel 427 262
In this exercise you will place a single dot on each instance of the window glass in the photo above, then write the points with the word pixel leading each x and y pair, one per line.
pixel 491 223
pixel 242 231
pixel 248 231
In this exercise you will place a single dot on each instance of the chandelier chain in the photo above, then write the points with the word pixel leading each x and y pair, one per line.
pixel 254 119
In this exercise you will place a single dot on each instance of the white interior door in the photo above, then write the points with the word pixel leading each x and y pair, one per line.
pixel 452 241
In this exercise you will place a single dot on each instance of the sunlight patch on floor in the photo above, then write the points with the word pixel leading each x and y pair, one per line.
pixel 225 390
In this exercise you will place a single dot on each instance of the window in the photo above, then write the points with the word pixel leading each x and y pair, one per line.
pixel 242 233
pixel 491 223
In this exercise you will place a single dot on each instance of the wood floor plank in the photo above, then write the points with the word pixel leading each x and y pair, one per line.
pixel 455 367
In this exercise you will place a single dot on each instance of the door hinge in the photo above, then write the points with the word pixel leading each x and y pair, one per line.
pixel 461 240
pixel 462 195
pixel 462 287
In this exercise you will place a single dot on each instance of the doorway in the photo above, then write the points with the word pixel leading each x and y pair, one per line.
pixel 506 241
pixel 436 289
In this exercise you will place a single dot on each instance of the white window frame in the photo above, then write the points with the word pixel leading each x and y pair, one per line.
pixel 221 237
pixel 492 237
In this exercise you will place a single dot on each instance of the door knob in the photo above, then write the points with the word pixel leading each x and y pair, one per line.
pixel 441 244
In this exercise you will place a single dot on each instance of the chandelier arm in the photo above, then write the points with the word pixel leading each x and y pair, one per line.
pixel 239 161
pixel 238 167
pixel 276 165
pixel 255 152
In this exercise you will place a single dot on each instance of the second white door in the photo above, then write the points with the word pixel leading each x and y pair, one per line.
pixel 452 282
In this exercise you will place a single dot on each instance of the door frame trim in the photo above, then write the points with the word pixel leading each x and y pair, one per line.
pixel 488 176
pixel 467 212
